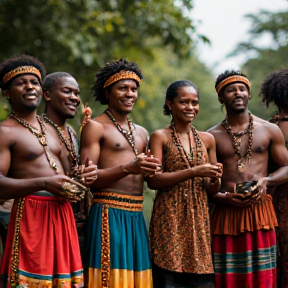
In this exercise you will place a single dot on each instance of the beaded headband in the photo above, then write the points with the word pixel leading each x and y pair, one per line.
pixel 123 74
pixel 21 70
pixel 232 79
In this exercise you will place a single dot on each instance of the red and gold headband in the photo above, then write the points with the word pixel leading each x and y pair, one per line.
pixel 232 79
pixel 21 70
pixel 123 74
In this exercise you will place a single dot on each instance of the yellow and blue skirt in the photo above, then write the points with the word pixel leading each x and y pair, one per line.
pixel 117 253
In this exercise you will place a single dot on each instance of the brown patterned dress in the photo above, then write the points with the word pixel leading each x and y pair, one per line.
pixel 179 227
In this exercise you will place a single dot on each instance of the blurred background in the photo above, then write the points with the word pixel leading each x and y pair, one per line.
pixel 169 39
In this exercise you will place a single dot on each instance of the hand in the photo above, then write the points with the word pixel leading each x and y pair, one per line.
pixel 238 200
pixel 59 184
pixel 260 190
pixel 208 170
pixel 88 173
pixel 147 165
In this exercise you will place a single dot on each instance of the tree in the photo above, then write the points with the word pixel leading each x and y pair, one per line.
pixel 263 60
pixel 79 36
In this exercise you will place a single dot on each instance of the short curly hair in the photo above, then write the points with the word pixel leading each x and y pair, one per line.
pixel 275 88
pixel 227 74
pixel 172 92
pixel 17 61
pixel 106 72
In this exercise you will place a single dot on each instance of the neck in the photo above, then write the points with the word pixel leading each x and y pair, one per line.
pixel 234 119
pixel 282 113
pixel 29 117
pixel 182 127
pixel 119 117
pixel 59 121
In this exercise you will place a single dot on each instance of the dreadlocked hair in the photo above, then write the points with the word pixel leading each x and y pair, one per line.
pixel 106 72
pixel 275 88
pixel 17 61
pixel 50 79
pixel 227 74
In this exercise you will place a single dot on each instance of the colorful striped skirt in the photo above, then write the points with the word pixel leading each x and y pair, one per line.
pixel 117 251
pixel 42 248
pixel 247 260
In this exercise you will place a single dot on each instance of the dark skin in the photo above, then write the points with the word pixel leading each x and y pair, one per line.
pixel 267 138
pixel 24 168
pixel 184 109
pixel 61 104
pixel 104 145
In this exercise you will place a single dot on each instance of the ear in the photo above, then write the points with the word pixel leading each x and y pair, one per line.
pixel 106 93
pixel 6 94
pixel 168 103
pixel 249 96
pixel 46 96
pixel 221 100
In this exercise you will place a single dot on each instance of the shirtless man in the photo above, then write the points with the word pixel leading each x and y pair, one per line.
pixel 62 98
pixel 116 226
pixel 42 244
pixel 243 221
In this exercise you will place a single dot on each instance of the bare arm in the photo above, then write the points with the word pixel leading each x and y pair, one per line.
pixel 11 188
pixel 91 136
pixel 279 156
pixel 167 179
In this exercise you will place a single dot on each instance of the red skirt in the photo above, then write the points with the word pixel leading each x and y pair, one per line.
pixel 42 248
pixel 247 260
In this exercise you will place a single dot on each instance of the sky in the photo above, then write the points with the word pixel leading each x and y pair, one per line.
pixel 223 22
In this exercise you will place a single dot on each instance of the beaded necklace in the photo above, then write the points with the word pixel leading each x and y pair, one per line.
pixel 69 146
pixel 188 158
pixel 236 143
pixel 128 134
pixel 41 136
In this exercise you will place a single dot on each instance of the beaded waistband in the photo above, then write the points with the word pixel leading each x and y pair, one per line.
pixel 119 201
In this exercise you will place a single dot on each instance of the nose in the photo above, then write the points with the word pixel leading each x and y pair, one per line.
pixel 190 106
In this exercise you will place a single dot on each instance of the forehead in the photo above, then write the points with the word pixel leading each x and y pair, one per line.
pixel 25 77
pixel 187 91
pixel 236 84
pixel 125 82
pixel 67 82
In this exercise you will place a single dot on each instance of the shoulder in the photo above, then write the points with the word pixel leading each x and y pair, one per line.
pixel 218 128
pixel 266 126
pixel 140 130
pixel 161 135
pixel 207 138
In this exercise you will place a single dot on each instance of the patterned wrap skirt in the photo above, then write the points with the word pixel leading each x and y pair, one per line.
pixel 42 248
pixel 245 261
pixel 117 251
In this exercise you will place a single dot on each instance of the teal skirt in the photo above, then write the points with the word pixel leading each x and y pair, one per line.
pixel 117 251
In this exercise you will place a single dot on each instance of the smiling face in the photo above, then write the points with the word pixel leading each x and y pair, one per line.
pixel 122 96
pixel 185 106
pixel 25 92
pixel 63 99
pixel 235 97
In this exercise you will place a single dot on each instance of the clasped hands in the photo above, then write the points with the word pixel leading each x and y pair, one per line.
pixel 148 165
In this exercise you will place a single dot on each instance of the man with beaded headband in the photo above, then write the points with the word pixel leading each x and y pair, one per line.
pixel 274 89
pixel 243 220
pixel 42 247
pixel 117 253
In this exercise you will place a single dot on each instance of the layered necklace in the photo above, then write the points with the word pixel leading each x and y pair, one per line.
pixel 128 134
pixel 189 159
pixel 41 136
pixel 237 141
pixel 69 145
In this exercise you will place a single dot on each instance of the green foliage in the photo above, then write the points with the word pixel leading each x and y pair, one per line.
pixel 263 60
